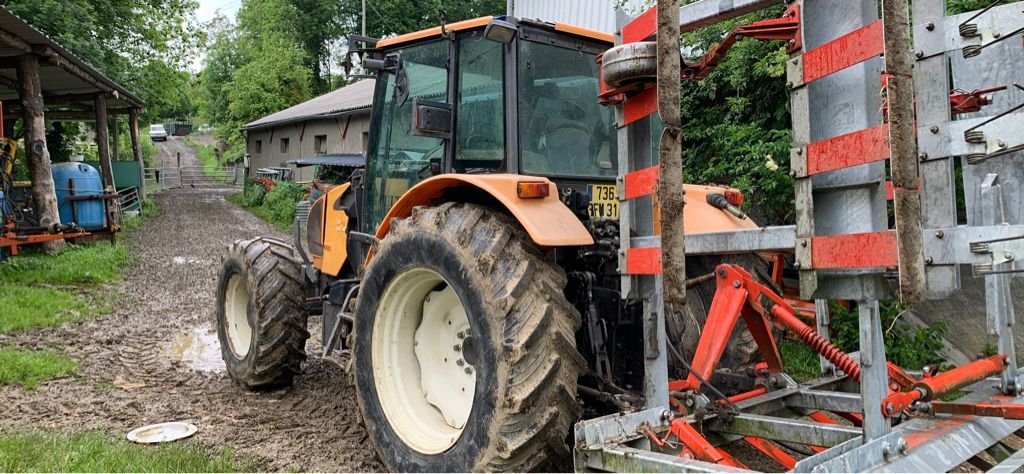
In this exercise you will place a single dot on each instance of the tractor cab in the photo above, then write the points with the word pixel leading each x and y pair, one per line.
pixel 490 95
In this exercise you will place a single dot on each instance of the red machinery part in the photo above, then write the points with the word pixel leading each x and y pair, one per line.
pixel 929 388
pixel 964 102
pixel 995 408
pixel 698 446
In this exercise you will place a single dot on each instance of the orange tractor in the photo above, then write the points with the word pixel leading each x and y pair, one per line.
pixel 471 270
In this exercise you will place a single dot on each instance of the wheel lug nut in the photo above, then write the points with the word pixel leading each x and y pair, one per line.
pixel 461 335
pixel 457 348
pixel 460 363
pixel 469 370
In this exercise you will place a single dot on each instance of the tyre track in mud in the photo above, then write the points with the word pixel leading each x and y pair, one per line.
pixel 130 368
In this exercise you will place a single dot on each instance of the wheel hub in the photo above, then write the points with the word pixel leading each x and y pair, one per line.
pixel 448 379
pixel 425 383
pixel 236 312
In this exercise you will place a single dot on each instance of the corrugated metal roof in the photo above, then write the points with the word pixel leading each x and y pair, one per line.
pixel 594 14
pixel 53 78
pixel 348 99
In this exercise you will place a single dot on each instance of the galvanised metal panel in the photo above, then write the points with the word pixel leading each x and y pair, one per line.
pixel 995 66
pixel 594 14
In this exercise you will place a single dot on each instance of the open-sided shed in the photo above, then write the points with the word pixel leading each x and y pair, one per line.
pixel 41 80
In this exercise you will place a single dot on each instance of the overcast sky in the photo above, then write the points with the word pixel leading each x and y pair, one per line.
pixel 208 8
pixel 206 11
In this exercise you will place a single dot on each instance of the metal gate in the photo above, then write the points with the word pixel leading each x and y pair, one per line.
pixel 194 177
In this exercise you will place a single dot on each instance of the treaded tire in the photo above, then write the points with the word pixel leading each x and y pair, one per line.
pixel 527 366
pixel 272 275
pixel 741 351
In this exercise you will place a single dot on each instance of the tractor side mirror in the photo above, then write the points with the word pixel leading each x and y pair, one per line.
pixel 431 118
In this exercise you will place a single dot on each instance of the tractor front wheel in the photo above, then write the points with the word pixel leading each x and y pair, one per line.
pixel 464 348
pixel 261 319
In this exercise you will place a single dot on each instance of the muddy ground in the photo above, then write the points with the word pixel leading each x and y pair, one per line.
pixel 156 358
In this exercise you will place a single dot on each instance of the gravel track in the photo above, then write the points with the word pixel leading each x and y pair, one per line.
pixel 140 365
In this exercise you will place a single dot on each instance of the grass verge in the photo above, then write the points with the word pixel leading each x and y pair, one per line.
pixel 96 263
pixel 206 155
pixel 27 307
pixel 96 452
pixel 28 368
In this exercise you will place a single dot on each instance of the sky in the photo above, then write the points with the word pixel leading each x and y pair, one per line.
pixel 208 8
pixel 206 11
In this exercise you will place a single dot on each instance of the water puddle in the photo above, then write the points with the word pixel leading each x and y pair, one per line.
pixel 199 349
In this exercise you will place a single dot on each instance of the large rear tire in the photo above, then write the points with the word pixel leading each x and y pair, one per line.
pixel 261 319
pixel 464 347
pixel 741 352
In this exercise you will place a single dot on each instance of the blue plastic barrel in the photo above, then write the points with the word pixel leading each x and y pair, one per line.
pixel 89 213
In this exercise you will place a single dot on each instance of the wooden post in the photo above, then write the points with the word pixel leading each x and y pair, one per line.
pixel 103 142
pixel 43 191
pixel 133 127
pixel 115 138
pixel 103 149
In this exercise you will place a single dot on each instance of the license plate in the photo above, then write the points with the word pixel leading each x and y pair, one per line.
pixel 604 202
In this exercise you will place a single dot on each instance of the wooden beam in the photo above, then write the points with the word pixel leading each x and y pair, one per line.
pixel 115 139
pixel 81 115
pixel 9 83
pixel 15 42
pixel 44 192
pixel 133 128
pixel 103 142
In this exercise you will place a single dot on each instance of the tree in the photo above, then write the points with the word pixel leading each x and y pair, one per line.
pixel 141 44
pixel 392 17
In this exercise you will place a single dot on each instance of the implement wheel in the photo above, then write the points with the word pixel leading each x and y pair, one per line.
pixel 261 321
pixel 465 353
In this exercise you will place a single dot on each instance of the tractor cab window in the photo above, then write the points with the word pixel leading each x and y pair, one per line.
pixel 480 127
pixel 397 158
pixel 563 131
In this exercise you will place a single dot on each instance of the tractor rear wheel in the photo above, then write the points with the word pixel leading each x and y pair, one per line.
pixel 261 318
pixel 741 351
pixel 464 349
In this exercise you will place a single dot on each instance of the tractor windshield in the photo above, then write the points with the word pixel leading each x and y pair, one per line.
pixel 563 131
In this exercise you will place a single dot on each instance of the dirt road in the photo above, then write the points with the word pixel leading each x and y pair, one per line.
pixel 155 358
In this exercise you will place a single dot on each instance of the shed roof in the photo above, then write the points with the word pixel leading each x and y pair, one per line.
pixel 62 75
pixel 346 100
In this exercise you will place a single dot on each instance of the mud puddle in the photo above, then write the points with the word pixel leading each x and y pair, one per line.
pixel 199 349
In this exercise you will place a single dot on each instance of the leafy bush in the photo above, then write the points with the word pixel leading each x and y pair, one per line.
pixel 276 206
pixel 906 346
pixel 253 194
pixel 281 201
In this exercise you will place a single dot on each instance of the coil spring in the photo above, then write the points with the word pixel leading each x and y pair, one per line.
pixel 969 30
pixel 974 136
pixel 829 351
pixel 975 158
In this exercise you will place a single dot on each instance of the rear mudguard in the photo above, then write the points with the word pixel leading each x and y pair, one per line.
pixel 548 221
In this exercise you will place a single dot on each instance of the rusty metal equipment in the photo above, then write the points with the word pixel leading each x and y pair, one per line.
pixel 864 414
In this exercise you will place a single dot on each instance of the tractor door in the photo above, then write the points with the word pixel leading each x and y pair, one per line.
pixel 398 158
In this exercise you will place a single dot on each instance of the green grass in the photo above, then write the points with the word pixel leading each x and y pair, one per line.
pixel 96 452
pixel 148 210
pixel 78 264
pixel 28 368
pixel 206 155
pixel 800 361
pixel 26 307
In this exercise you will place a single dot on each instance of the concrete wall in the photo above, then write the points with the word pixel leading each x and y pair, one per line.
pixel 343 135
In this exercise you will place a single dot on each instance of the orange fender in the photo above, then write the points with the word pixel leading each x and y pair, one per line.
pixel 548 222
pixel 701 217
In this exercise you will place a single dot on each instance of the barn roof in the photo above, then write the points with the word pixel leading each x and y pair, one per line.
pixel 350 99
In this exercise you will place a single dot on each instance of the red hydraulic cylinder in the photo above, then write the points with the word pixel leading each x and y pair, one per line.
pixel 929 388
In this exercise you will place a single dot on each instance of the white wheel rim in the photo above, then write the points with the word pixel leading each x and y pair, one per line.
pixel 236 316
pixel 424 384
